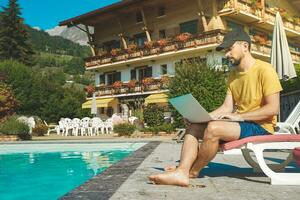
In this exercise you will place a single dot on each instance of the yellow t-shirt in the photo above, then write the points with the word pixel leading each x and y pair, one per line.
pixel 248 89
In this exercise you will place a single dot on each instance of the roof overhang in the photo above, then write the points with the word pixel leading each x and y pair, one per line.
pixel 84 18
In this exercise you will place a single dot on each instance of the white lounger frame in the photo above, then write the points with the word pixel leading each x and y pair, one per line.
pixel 273 171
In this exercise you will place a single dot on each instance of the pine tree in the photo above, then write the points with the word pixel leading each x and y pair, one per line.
pixel 13 35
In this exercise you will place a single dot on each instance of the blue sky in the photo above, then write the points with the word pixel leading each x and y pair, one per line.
pixel 46 14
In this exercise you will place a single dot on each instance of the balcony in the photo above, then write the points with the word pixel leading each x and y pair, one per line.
pixel 162 48
pixel 247 12
pixel 262 49
pixel 133 87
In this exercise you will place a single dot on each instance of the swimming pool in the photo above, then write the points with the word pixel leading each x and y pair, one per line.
pixel 48 171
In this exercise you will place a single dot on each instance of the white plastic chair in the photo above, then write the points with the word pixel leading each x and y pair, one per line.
pixel 291 124
pixel 76 126
pixel 96 125
pixel 108 125
pixel 85 126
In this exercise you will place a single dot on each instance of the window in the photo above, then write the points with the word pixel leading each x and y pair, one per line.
pixel 164 69
pixel 133 74
pixel 189 27
pixel 140 39
pixel 162 33
pixel 144 73
pixel 113 77
pixel 161 11
pixel 113 44
pixel 102 111
pixel 234 26
pixel 139 17
pixel 102 79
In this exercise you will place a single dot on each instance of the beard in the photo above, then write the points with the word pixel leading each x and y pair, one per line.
pixel 235 62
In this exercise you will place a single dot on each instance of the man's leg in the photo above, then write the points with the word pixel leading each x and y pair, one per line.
pixel 216 131
pixel 188 156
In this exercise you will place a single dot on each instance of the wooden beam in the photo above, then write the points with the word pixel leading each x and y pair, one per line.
pixel 145 28
pixel 202 15
pixel 263 11
pixel 91 40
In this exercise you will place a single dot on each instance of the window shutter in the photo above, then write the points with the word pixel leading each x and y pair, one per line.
pixel 148 72
pixel 133 74
pixel 102 79
pixel 118 76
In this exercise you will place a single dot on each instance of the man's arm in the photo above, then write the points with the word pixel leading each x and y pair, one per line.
pixel 269 109
pixel 225 108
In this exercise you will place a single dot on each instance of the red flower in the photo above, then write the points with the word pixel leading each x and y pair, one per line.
pixel 148 81
pixel 183 37
pixel 131 83
pixel 117 84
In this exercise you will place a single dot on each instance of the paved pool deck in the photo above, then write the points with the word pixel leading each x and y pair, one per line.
pixel 226 177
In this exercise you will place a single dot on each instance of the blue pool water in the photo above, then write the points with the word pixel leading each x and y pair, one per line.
pixel 50 175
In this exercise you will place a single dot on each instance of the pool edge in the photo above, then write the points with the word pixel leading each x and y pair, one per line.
pixel 104 185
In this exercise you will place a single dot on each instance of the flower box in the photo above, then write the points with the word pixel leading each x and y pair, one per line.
pixel 169 48
pixel 136 54
pixel 189 44
pixel 122 57
pixel 105 60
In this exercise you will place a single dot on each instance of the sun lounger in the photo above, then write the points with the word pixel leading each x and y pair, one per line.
pixel 258 144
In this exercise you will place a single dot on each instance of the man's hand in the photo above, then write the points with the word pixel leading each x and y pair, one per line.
pixel 231 116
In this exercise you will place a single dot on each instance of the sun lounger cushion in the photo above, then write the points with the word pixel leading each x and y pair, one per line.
pixel 296 153
pixel 261 139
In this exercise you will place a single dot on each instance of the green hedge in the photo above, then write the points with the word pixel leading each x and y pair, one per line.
pixel 153 115
pixel 169 128
pixel 204 82
pixel 14 127
pixel 124 129
pixel 292 84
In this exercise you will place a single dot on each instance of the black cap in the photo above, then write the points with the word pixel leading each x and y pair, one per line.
pixel 231 37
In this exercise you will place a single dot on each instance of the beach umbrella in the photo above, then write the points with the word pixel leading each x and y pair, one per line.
pixel 281 58
pixel 94 105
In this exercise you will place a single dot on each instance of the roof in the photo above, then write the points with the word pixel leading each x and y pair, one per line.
pixel 79 19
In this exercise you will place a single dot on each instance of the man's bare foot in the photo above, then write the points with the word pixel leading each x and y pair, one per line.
pixel 194 173
pixel 170 168
pixel 177 177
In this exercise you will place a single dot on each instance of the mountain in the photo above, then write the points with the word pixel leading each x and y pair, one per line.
pixel 43 42
pixel 74 34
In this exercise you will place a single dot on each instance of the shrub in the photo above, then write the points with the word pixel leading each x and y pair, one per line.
pixel 40 130
pixel 164 127
pixel 14 127
pixel 124 129
pixel 292 84
pixel 204 82
pixel 8 103
pixel 154 115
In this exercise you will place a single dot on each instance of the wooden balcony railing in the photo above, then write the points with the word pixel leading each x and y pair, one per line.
pixel 139 87
pixel 265 50
pixel 250 7
pixel 211 37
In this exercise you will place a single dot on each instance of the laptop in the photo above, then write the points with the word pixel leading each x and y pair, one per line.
pixel 191 109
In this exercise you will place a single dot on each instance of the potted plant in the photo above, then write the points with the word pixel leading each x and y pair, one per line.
pixel 131 48
pixel 131 84
pixel 161 43
pixel 164 80
pixel 149 44
pixel 183 37
pixel 117 86
pixel 90 89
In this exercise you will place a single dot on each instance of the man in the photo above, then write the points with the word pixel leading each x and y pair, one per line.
pixel 252 96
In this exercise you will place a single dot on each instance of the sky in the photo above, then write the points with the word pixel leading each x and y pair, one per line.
pixel 46 14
